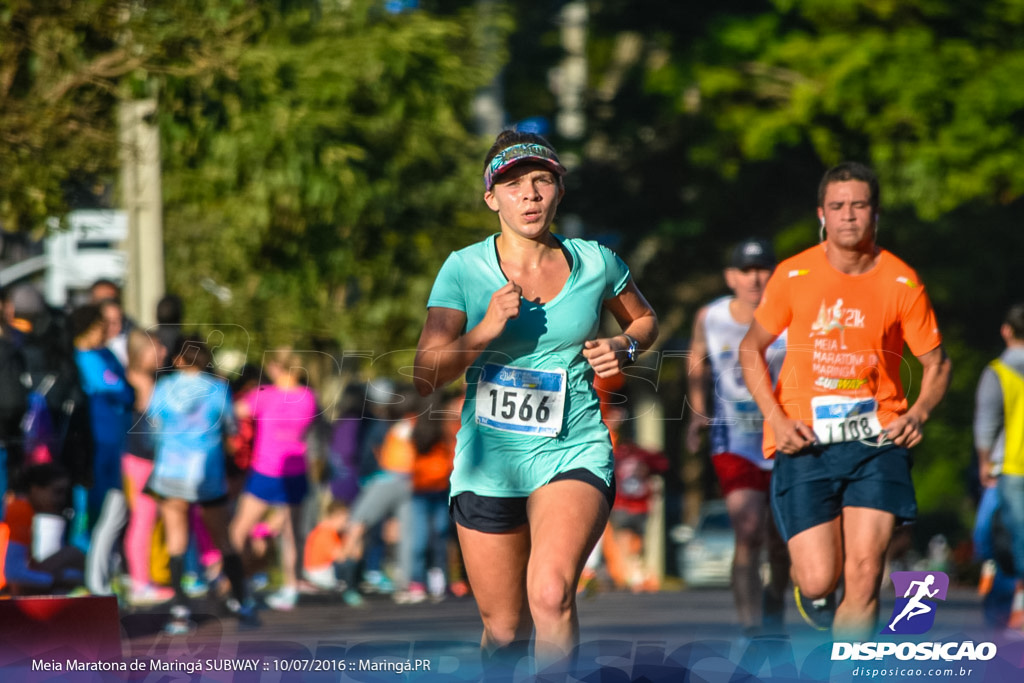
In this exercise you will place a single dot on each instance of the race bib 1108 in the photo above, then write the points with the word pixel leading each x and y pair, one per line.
pixel 840 418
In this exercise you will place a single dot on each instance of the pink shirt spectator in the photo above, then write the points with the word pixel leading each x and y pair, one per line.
pixel 282 417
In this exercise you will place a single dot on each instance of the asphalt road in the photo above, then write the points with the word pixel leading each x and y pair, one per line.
pixel 668 636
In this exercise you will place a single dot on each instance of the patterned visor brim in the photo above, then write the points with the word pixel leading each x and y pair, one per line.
pixel 516 154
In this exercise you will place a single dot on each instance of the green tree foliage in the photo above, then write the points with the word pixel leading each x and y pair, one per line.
pixel 63 65
pixel 325 178
pixel 923 90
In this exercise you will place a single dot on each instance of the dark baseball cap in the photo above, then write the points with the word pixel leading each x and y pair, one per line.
pixel 753 253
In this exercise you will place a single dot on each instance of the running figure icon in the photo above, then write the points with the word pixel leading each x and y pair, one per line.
pixel 830 318
pixel 915 606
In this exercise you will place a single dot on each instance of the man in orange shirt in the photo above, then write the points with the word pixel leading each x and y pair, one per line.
pixel 838 423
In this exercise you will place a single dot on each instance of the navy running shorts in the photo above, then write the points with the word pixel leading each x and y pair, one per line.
pixel 813 486
pixel 290 490
pixel 495 515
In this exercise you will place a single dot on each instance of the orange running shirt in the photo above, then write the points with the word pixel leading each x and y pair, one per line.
pixel 846 332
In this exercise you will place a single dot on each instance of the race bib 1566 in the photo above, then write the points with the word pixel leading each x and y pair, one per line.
pixel 521 400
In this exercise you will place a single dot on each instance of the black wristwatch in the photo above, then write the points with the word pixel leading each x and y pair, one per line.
pixel 632 351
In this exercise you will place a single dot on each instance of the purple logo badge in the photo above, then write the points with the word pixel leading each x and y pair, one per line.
pixel 916 593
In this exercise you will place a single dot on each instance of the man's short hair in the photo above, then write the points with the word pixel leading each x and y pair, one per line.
pixel 1015 319
pixel 84 317
pixel 849 170
pixel 169 310
pixel 106 283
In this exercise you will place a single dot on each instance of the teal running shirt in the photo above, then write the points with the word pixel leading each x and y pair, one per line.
pixel 511 442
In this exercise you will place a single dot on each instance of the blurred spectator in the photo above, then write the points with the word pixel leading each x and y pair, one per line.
pixel 39 435
pixel 999 441
pixel 283 413
pixel 203 561
pixel 242 441
pixel 343 451
pixel 116 331
pixel 54 386
pixel 25 303
pixel 636 481
pixel 383 407
pixel 104 292
pixel 110 404
pixel 110 398
pixel 386 493
pixel 13 397
pixel 144 357
pixel 325 564
pixel 170 314
pixel 424 541
pixel 191 413
pixel 36 561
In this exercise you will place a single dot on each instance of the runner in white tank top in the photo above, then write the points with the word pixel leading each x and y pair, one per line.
pixel 736 425
pixel 719 400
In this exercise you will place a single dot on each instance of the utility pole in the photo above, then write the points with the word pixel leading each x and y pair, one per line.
pixel 569 81
pixel 489 103
pixel 142 198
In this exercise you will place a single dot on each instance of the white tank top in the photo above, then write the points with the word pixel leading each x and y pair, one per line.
pixel 737 425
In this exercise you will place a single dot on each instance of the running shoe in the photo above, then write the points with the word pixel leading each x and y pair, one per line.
pixel 246 614
pixel 988 577
pixel 147 595
pixel 817 613
pixel 352 598
pixel 436 584
pixel 416 594
pixel 375 581
pixel 1016 621
pixel 194 585
pixel 179 624
pixel 284 600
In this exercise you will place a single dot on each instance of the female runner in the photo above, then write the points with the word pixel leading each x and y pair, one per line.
pixel 519 314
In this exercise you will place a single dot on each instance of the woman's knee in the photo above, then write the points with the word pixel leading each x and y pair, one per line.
pixel 550 596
